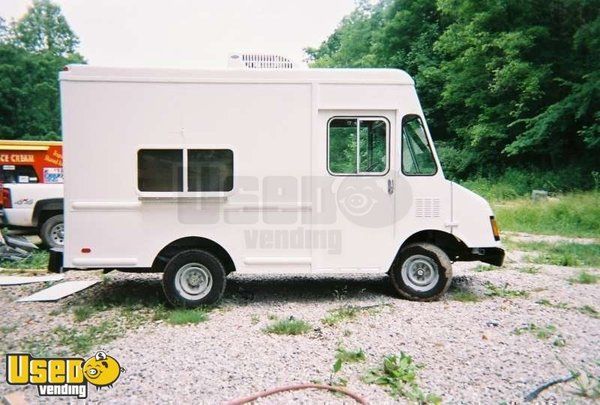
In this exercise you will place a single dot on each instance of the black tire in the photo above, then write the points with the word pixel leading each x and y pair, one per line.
pixel 52 232
pixel 429 260
pixel 191 267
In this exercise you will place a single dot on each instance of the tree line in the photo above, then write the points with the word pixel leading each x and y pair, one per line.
pixel 503 83
pixel 33 50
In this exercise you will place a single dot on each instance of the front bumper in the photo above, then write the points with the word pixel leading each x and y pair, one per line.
pixel 490 255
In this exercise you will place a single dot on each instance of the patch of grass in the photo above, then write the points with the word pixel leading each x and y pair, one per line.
pixel 585 309
pixel 573 214
pixel 484 267
pixel 464 296
pixel 185 316
pixel 6 329
pixel 529 269
pixel 341 314
pixel 587 385
pixel 589 311
pixel 583 277
pixel 399 375
pixel 543 333
pixel 254 319
pixel 343 356
pixel 288 326
pixel 83 312
pixel 347 313
pixel 563 253
pixel 548 303
pixel 81 340
pixel 493 290
pixel 36 260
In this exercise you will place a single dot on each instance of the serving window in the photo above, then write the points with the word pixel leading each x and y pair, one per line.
pixel 185 170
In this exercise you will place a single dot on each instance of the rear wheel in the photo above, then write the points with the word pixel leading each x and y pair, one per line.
pixel 423 272
pixel 193 278
pixel 52 232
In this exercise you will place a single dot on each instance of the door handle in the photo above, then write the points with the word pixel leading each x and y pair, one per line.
pixel 390 186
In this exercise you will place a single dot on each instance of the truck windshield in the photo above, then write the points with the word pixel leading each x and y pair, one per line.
pixel 417 157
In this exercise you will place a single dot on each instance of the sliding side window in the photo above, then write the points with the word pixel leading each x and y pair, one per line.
pixel 417 156
pixel 358 146
pixel 210 170
pixel 160 170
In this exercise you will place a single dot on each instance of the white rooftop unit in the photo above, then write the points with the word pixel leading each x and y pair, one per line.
pixel 259 61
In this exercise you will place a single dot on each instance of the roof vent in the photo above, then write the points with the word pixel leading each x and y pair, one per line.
pixel 259 61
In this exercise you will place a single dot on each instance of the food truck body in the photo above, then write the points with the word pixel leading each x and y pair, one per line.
pixel 198 173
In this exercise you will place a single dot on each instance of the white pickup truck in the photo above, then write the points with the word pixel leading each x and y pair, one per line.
pixel 37 208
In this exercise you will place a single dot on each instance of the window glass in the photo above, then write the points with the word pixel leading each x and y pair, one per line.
pixel 210 170
pixel 417 157
pixel 342 145
pixel 160 170
pixel 18 174
pixel 373 153
pixel 357 146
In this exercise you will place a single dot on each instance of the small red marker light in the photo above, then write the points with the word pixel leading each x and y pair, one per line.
pixel 86 250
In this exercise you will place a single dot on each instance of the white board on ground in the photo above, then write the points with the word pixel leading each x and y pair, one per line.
pixel 59 291
pixel 15 280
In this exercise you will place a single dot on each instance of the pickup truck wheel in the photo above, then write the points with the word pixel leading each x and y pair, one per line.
pixel 193 278
pixel 52 232
pixel 422 273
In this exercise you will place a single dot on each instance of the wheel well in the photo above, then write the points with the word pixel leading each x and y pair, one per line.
pixel 46 215
pixel 192 242
pixel 450 244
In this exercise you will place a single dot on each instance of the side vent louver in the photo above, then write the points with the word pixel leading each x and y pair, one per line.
pixel 427 207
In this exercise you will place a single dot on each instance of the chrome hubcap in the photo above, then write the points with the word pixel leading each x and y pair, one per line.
pixel 193 281
pixel 420 273
pixel 57 234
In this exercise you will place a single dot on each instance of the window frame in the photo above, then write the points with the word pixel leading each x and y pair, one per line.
pixel 388 142
pixel 429 144
pixel 184 193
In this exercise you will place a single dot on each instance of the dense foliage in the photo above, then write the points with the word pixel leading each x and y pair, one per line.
pixel 504 83
pixel 32 52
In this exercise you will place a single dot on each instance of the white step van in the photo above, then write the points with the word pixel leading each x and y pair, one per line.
pixel 199 173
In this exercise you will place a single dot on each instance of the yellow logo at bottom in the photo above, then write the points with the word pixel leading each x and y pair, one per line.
pixel 62 376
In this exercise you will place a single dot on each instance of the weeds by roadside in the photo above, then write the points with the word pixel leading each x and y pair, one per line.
pixel 573 214
pixel 288 326
pixel 37 260
pixel 529 269
pixel 561 254
pixel 464 296
pixel 399 375
pixel 542 332
pixel 583 277
pixel 493 290
pixel 348 312
pixel 584 309
pixel 186 316
pixel 343 356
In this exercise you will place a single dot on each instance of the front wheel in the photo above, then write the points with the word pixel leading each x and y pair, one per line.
pixel 422 272
pixel 193 278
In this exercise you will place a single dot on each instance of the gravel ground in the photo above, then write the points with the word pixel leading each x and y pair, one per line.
pixel 468 350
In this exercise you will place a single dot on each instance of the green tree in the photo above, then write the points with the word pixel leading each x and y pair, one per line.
pixel 504 83
pixel 29 67
pixel 45 29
